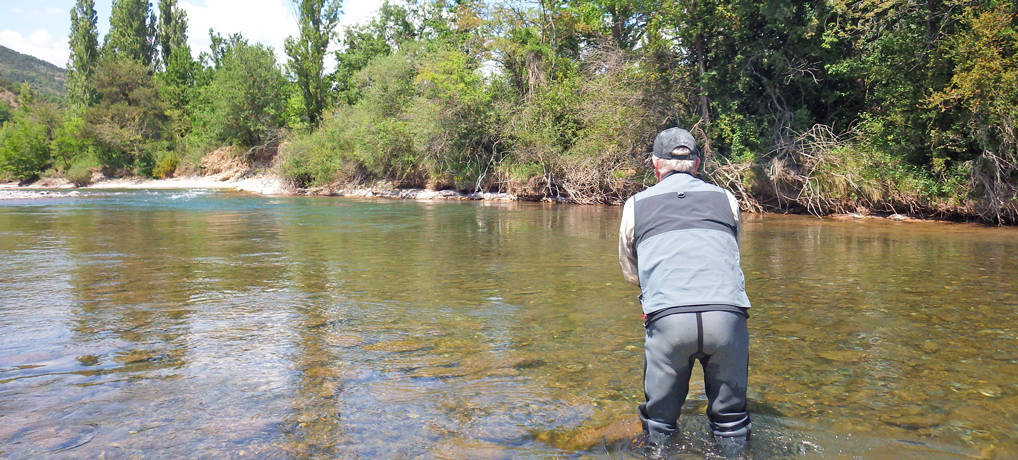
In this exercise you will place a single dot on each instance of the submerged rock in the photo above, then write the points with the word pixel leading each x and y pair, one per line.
pixel 585 438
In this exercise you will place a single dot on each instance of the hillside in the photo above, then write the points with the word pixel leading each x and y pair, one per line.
pixel 16 68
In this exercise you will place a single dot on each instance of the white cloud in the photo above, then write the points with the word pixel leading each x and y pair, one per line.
pixel 265 21
pixel 268 22
pixel 39 43
pixel 358 12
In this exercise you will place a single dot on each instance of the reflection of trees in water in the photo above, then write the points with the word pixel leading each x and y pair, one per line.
pixel 139 274
pixel 160 294
pixel 314 425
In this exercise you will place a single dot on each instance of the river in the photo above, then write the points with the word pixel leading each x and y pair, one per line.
pixel 181 323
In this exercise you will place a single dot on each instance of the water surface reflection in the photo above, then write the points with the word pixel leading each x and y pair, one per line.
pixel 172 322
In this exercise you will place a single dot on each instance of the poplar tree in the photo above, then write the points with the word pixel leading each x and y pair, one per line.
pixel 175 56
pixel 84 43
pixel 317 20
pixel 172 30
pixel 132 30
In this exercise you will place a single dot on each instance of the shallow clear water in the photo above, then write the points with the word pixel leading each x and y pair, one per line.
pixel 182 323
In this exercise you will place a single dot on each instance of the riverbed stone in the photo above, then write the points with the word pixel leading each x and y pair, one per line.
pixel 397 346
pixel 459 448
pixel 924 420
pixel 845 356
pixel 930 346
pixel 628 427
pixel 343 340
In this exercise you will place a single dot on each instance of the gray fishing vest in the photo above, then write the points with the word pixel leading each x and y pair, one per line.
pixel 687 250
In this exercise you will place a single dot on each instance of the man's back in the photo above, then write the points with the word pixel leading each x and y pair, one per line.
pixel 685 237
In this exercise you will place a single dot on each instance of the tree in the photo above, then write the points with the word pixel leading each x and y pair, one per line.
pixel 129 120
pixel 84 42
pixel 175 59
pixel 245 97
pixel 24 150
pixel 393 26
pixel 25 139
pixel 982 101
pixel 172 31
pixel 132 32
pixel 317 20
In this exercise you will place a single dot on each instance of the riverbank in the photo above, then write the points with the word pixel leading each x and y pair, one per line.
pixel 269 184
pixel 262 184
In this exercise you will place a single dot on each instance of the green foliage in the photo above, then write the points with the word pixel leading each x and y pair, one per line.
pixel 981 101
pixel 24 147
pixel 129 121
pixel 84 42
pixel 166 163
pixel 317 21
pixel 178 67
pixel 393 27
pixel 178 87
pixel 171 33
pixel 6 112
pixel 132 32
pixel 245 98
pixel 884 105
pixel 80 170
pixel 71 140
pixel 17 68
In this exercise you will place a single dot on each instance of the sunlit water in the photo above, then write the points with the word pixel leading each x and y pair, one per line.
pixel 182 324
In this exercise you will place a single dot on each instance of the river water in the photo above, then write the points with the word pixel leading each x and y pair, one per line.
pixel 203 323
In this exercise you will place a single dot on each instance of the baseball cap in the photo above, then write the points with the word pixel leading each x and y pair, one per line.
pixel 671 139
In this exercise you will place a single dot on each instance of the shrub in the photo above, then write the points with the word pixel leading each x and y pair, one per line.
pixel 71 141
pixel 166 164
pixel 246 96
pixel 24 150
pixel 80 171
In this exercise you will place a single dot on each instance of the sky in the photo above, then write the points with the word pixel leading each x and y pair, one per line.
pixel 41 27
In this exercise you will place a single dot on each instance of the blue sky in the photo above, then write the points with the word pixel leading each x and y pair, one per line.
pixel 40 27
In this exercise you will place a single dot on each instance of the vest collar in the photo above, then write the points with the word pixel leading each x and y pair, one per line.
pixel 672 173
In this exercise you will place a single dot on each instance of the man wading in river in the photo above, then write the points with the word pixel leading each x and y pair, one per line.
pixel 679 241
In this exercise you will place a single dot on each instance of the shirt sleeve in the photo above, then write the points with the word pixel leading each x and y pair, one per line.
pixel 627 253
pixel 738 218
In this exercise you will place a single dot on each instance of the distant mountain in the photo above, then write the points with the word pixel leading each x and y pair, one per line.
pixel 16 68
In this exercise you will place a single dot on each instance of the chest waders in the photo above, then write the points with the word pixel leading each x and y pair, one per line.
pixel 695 304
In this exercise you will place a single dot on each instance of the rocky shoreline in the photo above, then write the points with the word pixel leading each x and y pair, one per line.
pixel 260 184
pixel 272 185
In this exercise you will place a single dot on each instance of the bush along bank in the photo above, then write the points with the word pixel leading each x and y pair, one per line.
pixel 551 103
pixel 824 107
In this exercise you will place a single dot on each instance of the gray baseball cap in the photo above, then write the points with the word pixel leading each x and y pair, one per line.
pixel 672 138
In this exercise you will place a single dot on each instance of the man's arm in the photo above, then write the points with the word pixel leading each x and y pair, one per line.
pixel 627 253
pixel 738 218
